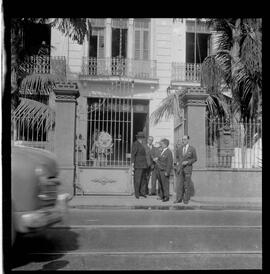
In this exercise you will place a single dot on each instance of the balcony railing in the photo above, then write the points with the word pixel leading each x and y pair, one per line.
pixel 55 65
pixel 186 72
pixel 139 69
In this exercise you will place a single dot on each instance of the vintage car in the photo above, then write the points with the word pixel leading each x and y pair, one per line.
pixel 36 201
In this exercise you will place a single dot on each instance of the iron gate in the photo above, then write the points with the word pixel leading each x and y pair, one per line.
pixel 109 130
pixel 103 142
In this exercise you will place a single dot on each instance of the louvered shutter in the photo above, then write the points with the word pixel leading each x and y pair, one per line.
pixel 101 44
pixel 145 45
pixel 141 39
pixel 137 54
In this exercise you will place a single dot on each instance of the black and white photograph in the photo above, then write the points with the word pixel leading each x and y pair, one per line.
pixel 136 144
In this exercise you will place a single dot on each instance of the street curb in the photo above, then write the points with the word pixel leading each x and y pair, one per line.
pixel 170 207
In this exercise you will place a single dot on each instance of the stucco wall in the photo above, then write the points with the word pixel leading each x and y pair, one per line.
pixel 162 42
pixel 227 183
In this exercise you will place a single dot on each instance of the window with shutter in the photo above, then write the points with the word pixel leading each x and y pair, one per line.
pixel 97 43
pixel 137 54
pixel 101 44
pixel 118 39
pixel 141 39
pixel 145 45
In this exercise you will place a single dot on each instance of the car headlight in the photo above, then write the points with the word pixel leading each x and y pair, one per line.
pixel 47 185
pixel 40 171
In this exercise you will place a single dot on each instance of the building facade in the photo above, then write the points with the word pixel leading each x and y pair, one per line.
pixel 123 72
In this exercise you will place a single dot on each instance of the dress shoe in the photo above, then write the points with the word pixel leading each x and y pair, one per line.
pixel 186 202
pixel 137 197
pixel 177 201
pixel 143 195
pixel 165 200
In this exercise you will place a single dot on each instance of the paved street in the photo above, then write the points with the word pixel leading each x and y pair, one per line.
pixel 146 239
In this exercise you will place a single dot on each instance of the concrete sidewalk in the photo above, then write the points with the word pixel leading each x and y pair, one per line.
pixel 151 202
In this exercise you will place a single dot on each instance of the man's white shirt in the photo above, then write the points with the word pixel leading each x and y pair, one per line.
pixel 164 150
pixel 185 148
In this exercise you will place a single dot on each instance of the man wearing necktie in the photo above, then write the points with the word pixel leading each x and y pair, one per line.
pixel 164 166
pixel 185 157
pixel 139 164
pixel 149 155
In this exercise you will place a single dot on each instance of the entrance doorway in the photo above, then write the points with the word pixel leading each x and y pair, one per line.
pixel 140 117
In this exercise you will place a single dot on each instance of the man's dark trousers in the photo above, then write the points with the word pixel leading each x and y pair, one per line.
pixel 154 180
pixel 183 186
pixel 147 177
pixel 139 181
pixel 165 184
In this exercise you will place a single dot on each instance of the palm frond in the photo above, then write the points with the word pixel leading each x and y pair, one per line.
pixel 224 60
pixel 33 113
pixel 217 106
pixel 212 74
pixel 251 49
pixel 165 109
pixel 76 28
pixel 40 84
pixel 169 106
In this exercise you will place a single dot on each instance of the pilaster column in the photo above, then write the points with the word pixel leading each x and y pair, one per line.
pixel 65 125
pixel 108 44
pixel 130 44
pixel 194 114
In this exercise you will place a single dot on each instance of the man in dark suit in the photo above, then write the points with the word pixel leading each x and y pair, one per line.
pixel 139 164
pixel 185 157
pixel 164 166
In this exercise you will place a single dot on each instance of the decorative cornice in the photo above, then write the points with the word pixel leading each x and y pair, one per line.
pixel 64 97
pixel 195 102
pixel 194 98
pixel 195 89
pixel 66 86
pixel 103 180
pixel 66 91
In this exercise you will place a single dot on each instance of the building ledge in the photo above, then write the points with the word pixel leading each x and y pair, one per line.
pixel 104 79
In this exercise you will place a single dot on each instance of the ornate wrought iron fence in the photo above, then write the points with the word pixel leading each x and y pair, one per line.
pixel 231 144
pixel 186 72
pixel 139 69
pixel 33 127
pixel 42 64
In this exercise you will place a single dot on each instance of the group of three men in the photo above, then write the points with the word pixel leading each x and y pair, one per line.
pixel 149 160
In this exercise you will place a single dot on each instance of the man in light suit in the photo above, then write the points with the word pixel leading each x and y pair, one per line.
pixel 164 166
pixel 185 157
pixel 140 165
pixel 151 153
pixel 149 148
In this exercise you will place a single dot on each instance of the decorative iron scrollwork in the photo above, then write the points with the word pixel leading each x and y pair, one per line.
pixel 103 180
